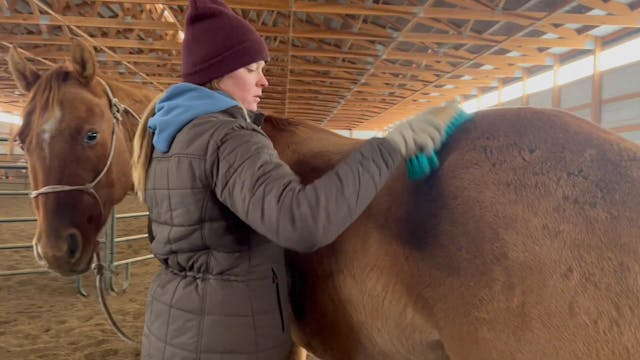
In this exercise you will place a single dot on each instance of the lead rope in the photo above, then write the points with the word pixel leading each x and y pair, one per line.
pixel 99 269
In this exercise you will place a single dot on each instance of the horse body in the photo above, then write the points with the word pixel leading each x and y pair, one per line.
pixel 523 245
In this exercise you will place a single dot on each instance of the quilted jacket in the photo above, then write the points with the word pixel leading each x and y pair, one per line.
pixel 222 207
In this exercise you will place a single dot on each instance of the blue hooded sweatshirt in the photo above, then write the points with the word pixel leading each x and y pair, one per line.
pixel 181 104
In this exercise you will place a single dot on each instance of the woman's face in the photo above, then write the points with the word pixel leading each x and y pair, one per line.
pixel 245 85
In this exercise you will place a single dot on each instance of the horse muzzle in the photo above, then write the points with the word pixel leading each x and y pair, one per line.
pixel 64 254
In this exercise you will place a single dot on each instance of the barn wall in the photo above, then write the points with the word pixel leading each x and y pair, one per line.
pixel 620 99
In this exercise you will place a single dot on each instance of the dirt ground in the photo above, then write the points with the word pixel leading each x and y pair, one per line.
pixel 43 317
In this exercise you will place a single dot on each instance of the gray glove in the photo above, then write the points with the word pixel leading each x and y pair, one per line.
pixel 421 133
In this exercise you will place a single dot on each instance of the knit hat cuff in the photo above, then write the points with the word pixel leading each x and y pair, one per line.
pixel 236 58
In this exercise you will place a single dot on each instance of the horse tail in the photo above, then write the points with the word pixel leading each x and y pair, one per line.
pixel 142 149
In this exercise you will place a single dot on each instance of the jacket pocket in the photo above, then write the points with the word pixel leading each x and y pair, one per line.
pixel 276 283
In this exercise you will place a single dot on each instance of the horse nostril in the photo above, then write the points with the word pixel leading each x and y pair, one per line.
pixel 73 245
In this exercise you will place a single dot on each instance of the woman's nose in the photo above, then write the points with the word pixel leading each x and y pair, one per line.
pixel 262 81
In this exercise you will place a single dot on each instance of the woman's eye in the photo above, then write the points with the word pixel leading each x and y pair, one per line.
pixel 250 69
pixel 91 137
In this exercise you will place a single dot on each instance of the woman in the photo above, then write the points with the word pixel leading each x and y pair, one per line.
pixel 223 206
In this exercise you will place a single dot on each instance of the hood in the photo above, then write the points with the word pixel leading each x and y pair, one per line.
pixel 181 104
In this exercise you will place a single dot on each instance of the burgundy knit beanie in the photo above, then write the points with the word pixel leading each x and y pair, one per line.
pixel 217 42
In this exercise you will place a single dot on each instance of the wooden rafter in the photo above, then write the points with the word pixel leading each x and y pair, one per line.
pixel 349 65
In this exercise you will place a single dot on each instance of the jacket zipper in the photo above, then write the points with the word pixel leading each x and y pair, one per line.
pixel 277 283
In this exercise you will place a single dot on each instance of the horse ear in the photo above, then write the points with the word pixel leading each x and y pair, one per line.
pixel 24 74
pixel 83 60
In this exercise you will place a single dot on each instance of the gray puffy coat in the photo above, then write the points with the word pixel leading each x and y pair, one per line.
pixel 222 208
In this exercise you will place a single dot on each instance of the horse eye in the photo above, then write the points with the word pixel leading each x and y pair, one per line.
pixel 91 137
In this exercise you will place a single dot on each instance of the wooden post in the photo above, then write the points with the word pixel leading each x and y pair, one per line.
pixel 596 94
pixel 12 132
pixel 525 96
pixel 555 99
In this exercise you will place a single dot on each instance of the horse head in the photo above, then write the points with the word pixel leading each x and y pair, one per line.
pixel 78 156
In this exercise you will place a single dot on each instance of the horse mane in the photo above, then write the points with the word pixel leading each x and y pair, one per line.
pixel 299 126
pixel 281 123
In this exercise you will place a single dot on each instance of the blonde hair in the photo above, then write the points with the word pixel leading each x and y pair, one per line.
pixel 213 85
pixel 142 149
pixel 143 143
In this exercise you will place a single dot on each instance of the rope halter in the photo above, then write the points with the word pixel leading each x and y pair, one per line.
pixel 117 108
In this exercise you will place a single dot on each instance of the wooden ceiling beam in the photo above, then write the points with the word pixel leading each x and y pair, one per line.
pixel 626 128
pixel 90 22
pixel 397 112
pixel 325 53
pixel 334 58
pixel 323 78
pixel 470 14
pixel 150 58
pixel 321 67
pixel 612 7
pixel 164 2
pixel 119 43
pixel 325 34
pixel 494 60
pixel 315 96
pixel 629 20
pixel 36 11
pixel 494 40
pixel 468 83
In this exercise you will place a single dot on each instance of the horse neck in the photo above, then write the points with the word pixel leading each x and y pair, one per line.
pixel 136 98
pixel 310 151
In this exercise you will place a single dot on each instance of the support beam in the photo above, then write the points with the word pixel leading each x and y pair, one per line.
pixel 555 97
pixel 596 94
pixel 626 128
pixel 525 80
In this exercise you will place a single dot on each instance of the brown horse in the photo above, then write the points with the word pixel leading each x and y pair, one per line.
pixel 72 130
pixel 523 245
